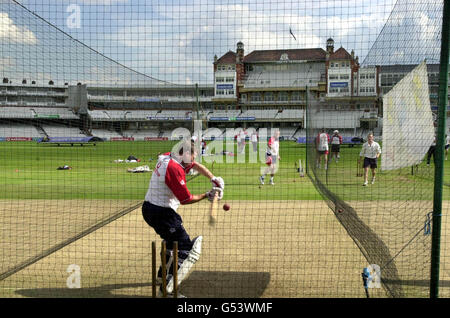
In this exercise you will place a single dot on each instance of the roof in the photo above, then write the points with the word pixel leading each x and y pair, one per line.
pixel 317 54
pixel 340 54
pixel 229 57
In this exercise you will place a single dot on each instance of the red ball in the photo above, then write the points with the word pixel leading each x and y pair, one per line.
pixel 226 207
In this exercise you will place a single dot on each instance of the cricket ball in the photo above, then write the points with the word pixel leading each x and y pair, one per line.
pixel 226 207
pixel 340 210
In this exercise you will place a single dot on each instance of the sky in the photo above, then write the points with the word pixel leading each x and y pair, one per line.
pixel 155 42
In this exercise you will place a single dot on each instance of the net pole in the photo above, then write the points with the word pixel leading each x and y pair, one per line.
pixel 306 128
pixel 439 154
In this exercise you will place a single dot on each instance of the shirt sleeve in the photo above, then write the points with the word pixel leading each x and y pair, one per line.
pixel 361 154
pixel 176 181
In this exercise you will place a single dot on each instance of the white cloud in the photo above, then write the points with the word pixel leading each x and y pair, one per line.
pixel 182 43
pixel 13 33
pixel 6 62
pixel 99 2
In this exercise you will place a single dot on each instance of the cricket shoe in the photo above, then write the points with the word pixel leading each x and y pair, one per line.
pixel 365 184
pixel 185 268
pixel 373 181
pixel 271 182
pixel 261 180
pixel 168 295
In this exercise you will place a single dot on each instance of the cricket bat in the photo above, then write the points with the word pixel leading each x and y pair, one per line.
pixel 213 210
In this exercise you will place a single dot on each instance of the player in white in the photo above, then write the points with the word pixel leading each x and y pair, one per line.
pixel 272 157
pixel 166 191
pixel 336 141
pixel 370 152
pixel 322 141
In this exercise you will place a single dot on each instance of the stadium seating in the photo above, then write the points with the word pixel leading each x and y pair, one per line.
pixel 260 113
pixel 105 133
pixel 336 119
pixel 176 114
pixel 62 113
pixel 229 114
pixel 141 134
pixel 61 131
pixel 98 114
pixel 287 132
pixel 16 112
pixel 290 114
pixel 18 130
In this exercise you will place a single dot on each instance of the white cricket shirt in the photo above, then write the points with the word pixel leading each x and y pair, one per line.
pixel 167 186
pixel 370 151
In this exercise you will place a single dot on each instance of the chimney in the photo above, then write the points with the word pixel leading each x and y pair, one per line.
pixel 240 52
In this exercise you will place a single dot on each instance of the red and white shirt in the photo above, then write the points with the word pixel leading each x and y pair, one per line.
pixel 167 186
pixel 336 140
pixel 274 146
pixel 322 141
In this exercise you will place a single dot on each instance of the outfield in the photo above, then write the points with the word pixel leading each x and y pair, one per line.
pixel 28 171
pixel 276 241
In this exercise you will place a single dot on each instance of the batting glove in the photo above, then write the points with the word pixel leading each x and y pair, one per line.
pixel 218 182
pixel 211 193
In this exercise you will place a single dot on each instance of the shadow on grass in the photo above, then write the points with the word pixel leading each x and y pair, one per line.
pixel 200 284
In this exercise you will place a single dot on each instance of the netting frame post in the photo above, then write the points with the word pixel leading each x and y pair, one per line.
pixel 439 154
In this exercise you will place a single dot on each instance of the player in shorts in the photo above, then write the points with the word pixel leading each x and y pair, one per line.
pixel 167 190
pixel 370 153
pixel 336 141
pixel 322 141
pixel 272 158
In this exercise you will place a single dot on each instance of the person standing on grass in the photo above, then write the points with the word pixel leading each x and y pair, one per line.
pixel 167 190
pixel 370 153
pixel 336 141
pixel 272 158
pixel 322 141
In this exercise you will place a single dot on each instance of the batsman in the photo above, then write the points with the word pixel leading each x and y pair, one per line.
pixel 166 191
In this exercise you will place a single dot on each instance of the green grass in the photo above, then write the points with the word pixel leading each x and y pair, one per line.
pixel 28 171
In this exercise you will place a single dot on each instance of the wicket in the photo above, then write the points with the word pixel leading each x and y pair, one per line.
pixel 359 169
pixel 164 269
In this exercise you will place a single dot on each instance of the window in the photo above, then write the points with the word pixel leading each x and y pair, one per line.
pixel 295 96
pixel 219 79
pixel 282 96
pixel 268 97
pixel 229 79
pixel 333 90
pixel 333 77
pixel 256 97
pixel 344 76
